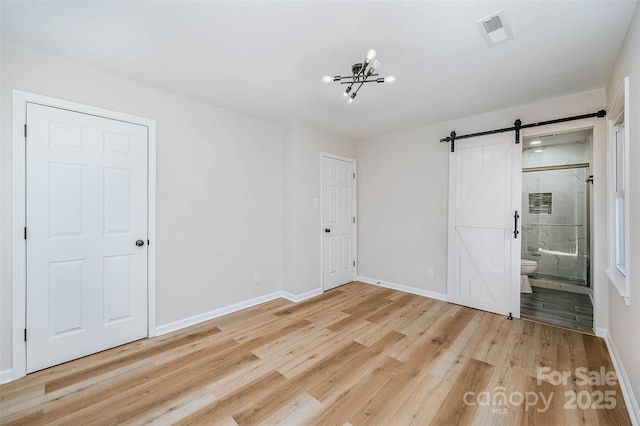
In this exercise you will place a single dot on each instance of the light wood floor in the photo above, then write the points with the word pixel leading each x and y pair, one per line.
pixel 358 354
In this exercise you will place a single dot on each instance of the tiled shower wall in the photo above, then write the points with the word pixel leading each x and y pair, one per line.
pixel 556 240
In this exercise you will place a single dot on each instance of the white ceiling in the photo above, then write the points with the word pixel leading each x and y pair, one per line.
pixel 265 58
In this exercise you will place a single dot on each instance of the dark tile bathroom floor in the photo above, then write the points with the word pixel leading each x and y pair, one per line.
pixel 558 307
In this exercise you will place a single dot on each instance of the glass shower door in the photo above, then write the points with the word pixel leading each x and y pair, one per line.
pixel 555 222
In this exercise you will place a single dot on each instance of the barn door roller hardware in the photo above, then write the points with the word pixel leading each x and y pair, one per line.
pixel 518 126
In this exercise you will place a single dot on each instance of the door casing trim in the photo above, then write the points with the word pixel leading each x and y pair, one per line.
pixel 18 269
pixel 597 208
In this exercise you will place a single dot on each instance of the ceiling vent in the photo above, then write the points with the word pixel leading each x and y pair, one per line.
pixel 494 28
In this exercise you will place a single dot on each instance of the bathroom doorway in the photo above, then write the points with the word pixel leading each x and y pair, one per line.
pixel 555 230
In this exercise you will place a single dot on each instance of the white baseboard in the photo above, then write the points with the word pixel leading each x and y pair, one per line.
pixel 6 376
pixel 303 296
pixel 196 319
pixel 404 288
pixel 623 379
pixel 601 332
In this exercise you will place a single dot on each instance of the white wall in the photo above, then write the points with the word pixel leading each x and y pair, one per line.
pixel 303 146
pixel 625 320
pixel 403 191
pixel 402 208
pixel 219 188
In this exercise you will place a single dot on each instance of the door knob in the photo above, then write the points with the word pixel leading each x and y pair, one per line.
pixel 139 243
pixel 327 230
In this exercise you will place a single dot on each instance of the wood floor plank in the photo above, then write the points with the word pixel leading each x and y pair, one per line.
pixel 352 401
pixel 359 312
pixel 317 353
pixel 101 394
pixel 380 408
pixel 338 376
pixel 418 407
pixel 176 410
pixel 105 367
pixel 454 410
pixel 226 407
pixel 301 408
pixel 356 355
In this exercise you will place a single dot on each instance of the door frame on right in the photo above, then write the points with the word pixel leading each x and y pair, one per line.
pixel 324 155
pixel 18 287
pixel 597 209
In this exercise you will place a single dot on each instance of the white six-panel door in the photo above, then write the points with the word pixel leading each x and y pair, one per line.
pixel 338 221
pixel 483 252
pixel 86 206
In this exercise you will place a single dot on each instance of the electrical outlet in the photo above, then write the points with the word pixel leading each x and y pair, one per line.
pixel 256 278
pixel 430 272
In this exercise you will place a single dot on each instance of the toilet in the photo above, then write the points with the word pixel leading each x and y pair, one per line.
pixel 527 267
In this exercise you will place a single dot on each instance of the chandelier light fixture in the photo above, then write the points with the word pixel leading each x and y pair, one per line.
pixel 361 73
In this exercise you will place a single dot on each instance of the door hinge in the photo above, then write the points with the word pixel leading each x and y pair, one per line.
pixel 25 130
pixel 25 334
pixel 25 232
pixel 354 263
pixel 354 219
pixel 354 175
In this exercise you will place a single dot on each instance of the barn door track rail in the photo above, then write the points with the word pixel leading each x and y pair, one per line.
pixel 517 126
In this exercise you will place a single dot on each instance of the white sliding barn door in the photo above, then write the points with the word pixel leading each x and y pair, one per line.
pixel 86 202
pixel 338 221
pixel 484 194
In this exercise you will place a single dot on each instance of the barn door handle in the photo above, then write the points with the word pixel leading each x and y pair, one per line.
pixel 516 216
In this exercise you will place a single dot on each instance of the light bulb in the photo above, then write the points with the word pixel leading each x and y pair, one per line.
pixel 371 55
pixel 346 92
pixel 390 79
pixel 326 79
pixel 352 97
pixel 375 65
pixel 535 142
pixel 350 101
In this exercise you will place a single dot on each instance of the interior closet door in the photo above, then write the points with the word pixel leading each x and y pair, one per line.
pixel 86 234
pixel 484 251
pixel 338 221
